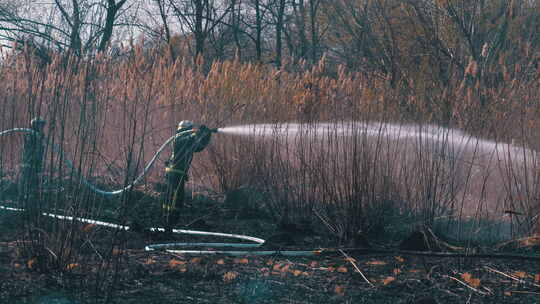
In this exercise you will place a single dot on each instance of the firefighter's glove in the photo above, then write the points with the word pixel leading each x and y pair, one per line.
pixel 204 131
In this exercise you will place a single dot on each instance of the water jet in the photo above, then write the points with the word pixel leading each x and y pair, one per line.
pixel 457 177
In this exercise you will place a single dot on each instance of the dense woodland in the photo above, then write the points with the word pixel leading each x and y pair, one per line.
pixel 390 39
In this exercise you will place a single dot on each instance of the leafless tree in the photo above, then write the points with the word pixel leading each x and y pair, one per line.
pixel 200 17
pixel 357 43
pixel 259 16
pixel 306 14
pixel 77 26
pixel 280 17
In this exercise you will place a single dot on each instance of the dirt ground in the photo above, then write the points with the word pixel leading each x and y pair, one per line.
pixel 348 276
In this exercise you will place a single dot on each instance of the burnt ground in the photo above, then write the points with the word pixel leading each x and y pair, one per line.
pixel 112 266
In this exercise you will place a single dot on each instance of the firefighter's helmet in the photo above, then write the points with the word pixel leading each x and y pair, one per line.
pixel 185 125
pixel 37 123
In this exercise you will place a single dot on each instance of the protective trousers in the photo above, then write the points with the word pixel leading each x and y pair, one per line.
pixel 176 181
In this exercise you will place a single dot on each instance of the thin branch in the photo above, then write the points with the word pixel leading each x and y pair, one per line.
pixel 383 252
pixel 509 276
pixel 467 285
pixel 351 260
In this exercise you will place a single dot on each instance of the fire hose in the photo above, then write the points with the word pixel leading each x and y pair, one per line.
pixel 254 241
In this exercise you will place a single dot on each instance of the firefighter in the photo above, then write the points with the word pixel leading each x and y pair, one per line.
pixel 176 171
pixel 31 167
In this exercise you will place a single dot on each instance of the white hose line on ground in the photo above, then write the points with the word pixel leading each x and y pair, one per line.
pixel 69 163
pixel 11 209
pixel 15 130
pixel 292 253
pixel 257 242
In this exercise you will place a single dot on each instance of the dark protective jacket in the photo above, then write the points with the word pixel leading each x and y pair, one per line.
pixel 32 162
pixel 183 148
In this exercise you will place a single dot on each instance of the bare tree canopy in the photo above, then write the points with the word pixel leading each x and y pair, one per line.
pixel 77 26
pixel 392 38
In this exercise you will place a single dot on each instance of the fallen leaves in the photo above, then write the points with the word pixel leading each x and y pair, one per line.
pixel 230 276
pixel 530 241
pixel 241 261
pixel 342 269
pixel 31 264
pixel 339 289
pixel 285 268
pixel 520 274
pixel 466 276
pixel 88 227
pixel 469 279
pixel 399 259
pixel 282 269
pixel 289 269
pixel 350 260
pixel 72 266
pixel 176 264
pixel 388 280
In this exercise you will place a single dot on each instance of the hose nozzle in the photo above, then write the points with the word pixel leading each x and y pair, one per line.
pixel 206 129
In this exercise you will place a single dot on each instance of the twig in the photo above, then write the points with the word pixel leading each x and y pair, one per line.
pixel 89 242
pixel 173 254
pixel 306 287
pixel 466 285
pixel 325 222
pixel 199 218
pixel 356 267
pixel 382 252
pixel 51 253
pixel 510 276
pixel 525 292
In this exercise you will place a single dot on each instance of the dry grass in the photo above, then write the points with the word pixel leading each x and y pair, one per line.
pixel 111 116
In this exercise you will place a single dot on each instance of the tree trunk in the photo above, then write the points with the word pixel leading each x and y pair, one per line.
pixel 166 28
pixel 300 16
pixel 235 22
pixel 279 30
pixel 313 10
pixel 75 37
pixel 112 10
pixel 199 32
pixel 258 30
